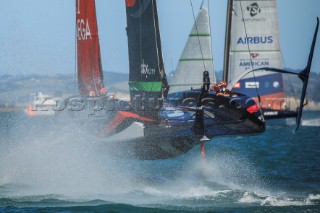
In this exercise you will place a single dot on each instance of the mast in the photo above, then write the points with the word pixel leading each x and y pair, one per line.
pixel 225 76
pixel 214 79
pixel 165 85
pixel 90 75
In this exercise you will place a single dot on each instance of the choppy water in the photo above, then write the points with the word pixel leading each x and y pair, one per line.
pixel 48 165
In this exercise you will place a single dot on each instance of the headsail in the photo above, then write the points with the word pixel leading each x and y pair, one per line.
pixel 147 78
pixel 253 43
pixel 196 57
pixel 90 75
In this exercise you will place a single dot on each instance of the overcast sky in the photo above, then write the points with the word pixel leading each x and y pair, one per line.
pixel 38 36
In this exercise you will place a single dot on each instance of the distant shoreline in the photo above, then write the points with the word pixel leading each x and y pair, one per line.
pixel 12 108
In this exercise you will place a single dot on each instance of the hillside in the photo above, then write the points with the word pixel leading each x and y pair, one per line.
pixel 19 90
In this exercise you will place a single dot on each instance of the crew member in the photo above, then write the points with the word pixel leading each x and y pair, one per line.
pixel 216 88
pixel 222 89
pixel 103 91
pixel 92 93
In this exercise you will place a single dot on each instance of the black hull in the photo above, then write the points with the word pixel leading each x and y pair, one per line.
pixel 116 131
pixel 163 142
pixel 148 148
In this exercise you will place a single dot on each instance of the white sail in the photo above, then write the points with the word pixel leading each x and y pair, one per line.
pixel 254 40
pixel 195 57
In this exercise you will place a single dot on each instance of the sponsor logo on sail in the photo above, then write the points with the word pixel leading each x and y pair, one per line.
pixel 255 40
pixel 83 29
pixel 254 9
pixel 276 84
pixel 251 85
pixel 254 63
pixel 130 3
pixel 145 70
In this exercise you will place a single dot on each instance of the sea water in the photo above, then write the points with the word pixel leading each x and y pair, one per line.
pixel 47 164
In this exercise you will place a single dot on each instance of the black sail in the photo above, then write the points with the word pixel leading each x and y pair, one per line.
pixel 147 78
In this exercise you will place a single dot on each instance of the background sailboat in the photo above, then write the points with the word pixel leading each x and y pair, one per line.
pixel 252 41
pixel 196 57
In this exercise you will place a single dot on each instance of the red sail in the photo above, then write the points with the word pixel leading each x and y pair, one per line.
pixel 90 76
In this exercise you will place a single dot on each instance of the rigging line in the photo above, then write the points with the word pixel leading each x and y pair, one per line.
pixel 293 90
pixel 155 25
pixel 202 4
pixel 254 76
pixel 195 23
pixel 214 76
